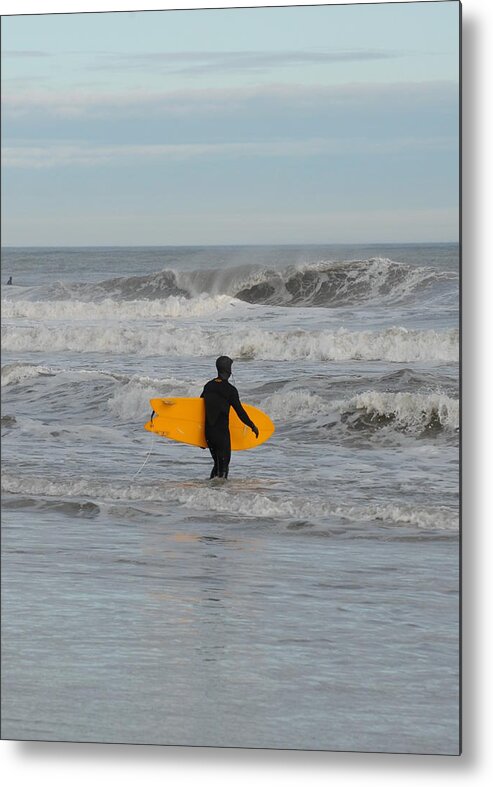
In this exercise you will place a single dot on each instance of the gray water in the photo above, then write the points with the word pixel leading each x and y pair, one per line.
pixel 309 602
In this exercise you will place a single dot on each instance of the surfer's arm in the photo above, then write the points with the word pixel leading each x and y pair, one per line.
pixel 241 412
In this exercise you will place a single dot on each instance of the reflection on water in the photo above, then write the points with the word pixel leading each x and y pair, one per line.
pixel 165 634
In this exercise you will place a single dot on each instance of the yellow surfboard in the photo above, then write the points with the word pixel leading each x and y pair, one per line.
pixel 183 420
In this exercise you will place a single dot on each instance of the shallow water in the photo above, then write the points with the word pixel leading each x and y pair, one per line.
pixel 309 602
pixel 145 629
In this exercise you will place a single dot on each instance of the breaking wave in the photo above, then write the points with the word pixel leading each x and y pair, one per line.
pixel 341 283
pixel 407 411
pixel 15 373
pixel 111 309
pixel 128 400
pixel 395 344
pixel 325 284
pixel 414 412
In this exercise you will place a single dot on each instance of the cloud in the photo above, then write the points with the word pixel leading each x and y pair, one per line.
pixel 44 130
pixel 192 63
pixel 24 53
pixel 299 97
pixel 54 154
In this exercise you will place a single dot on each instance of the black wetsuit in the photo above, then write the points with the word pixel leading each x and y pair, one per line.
pixel 219 396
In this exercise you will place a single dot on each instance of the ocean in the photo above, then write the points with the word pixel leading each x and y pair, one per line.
pixel 311 601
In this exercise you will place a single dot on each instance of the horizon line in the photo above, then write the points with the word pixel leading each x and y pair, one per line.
pixel 226 245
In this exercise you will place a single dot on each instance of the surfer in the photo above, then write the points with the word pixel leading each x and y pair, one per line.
pixel 10 281
pixel 219 396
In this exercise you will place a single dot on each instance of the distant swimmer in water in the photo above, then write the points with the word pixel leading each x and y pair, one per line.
pixel 219 396
pixel 10 281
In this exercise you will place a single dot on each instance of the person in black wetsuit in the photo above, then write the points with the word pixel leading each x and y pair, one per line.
pixel 10 281
pixel 219 396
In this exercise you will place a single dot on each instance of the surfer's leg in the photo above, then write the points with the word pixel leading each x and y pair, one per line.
pixel 224 456
pixel 219 443
pixel 214 459
pixel 212 444
pixel 222 468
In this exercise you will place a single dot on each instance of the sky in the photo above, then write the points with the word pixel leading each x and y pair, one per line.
pixel 314 124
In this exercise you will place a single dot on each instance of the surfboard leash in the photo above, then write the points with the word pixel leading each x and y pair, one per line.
pixel 144 463
pixel 147 457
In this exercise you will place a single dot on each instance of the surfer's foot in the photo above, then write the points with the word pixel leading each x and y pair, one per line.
pixel 222 470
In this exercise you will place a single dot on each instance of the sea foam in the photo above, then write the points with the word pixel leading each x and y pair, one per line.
pixel 231 500
pixel 111 309
pixel 396 344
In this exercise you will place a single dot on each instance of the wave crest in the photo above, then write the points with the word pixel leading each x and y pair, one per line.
pixel 111 309
pixel 396 345
pixel 14 373
pixel 200 496
pixel 406 411
pixel 325 284
pixel 340 283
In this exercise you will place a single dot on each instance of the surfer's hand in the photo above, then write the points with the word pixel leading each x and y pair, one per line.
pixel 255 430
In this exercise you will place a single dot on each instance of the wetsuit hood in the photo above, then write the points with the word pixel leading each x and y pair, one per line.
pixel 223 366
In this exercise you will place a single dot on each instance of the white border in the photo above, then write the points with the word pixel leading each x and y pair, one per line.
pixel 58 6
pixel 83 764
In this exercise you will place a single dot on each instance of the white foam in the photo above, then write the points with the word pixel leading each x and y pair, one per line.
pixel 131 402
pixel 325 282
pixel 410 410
pixel 110 309
pixel 396 344
pixel 17 372
pixel 437 518
pixel 295 405
pixel 230 500
pixel 60 430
